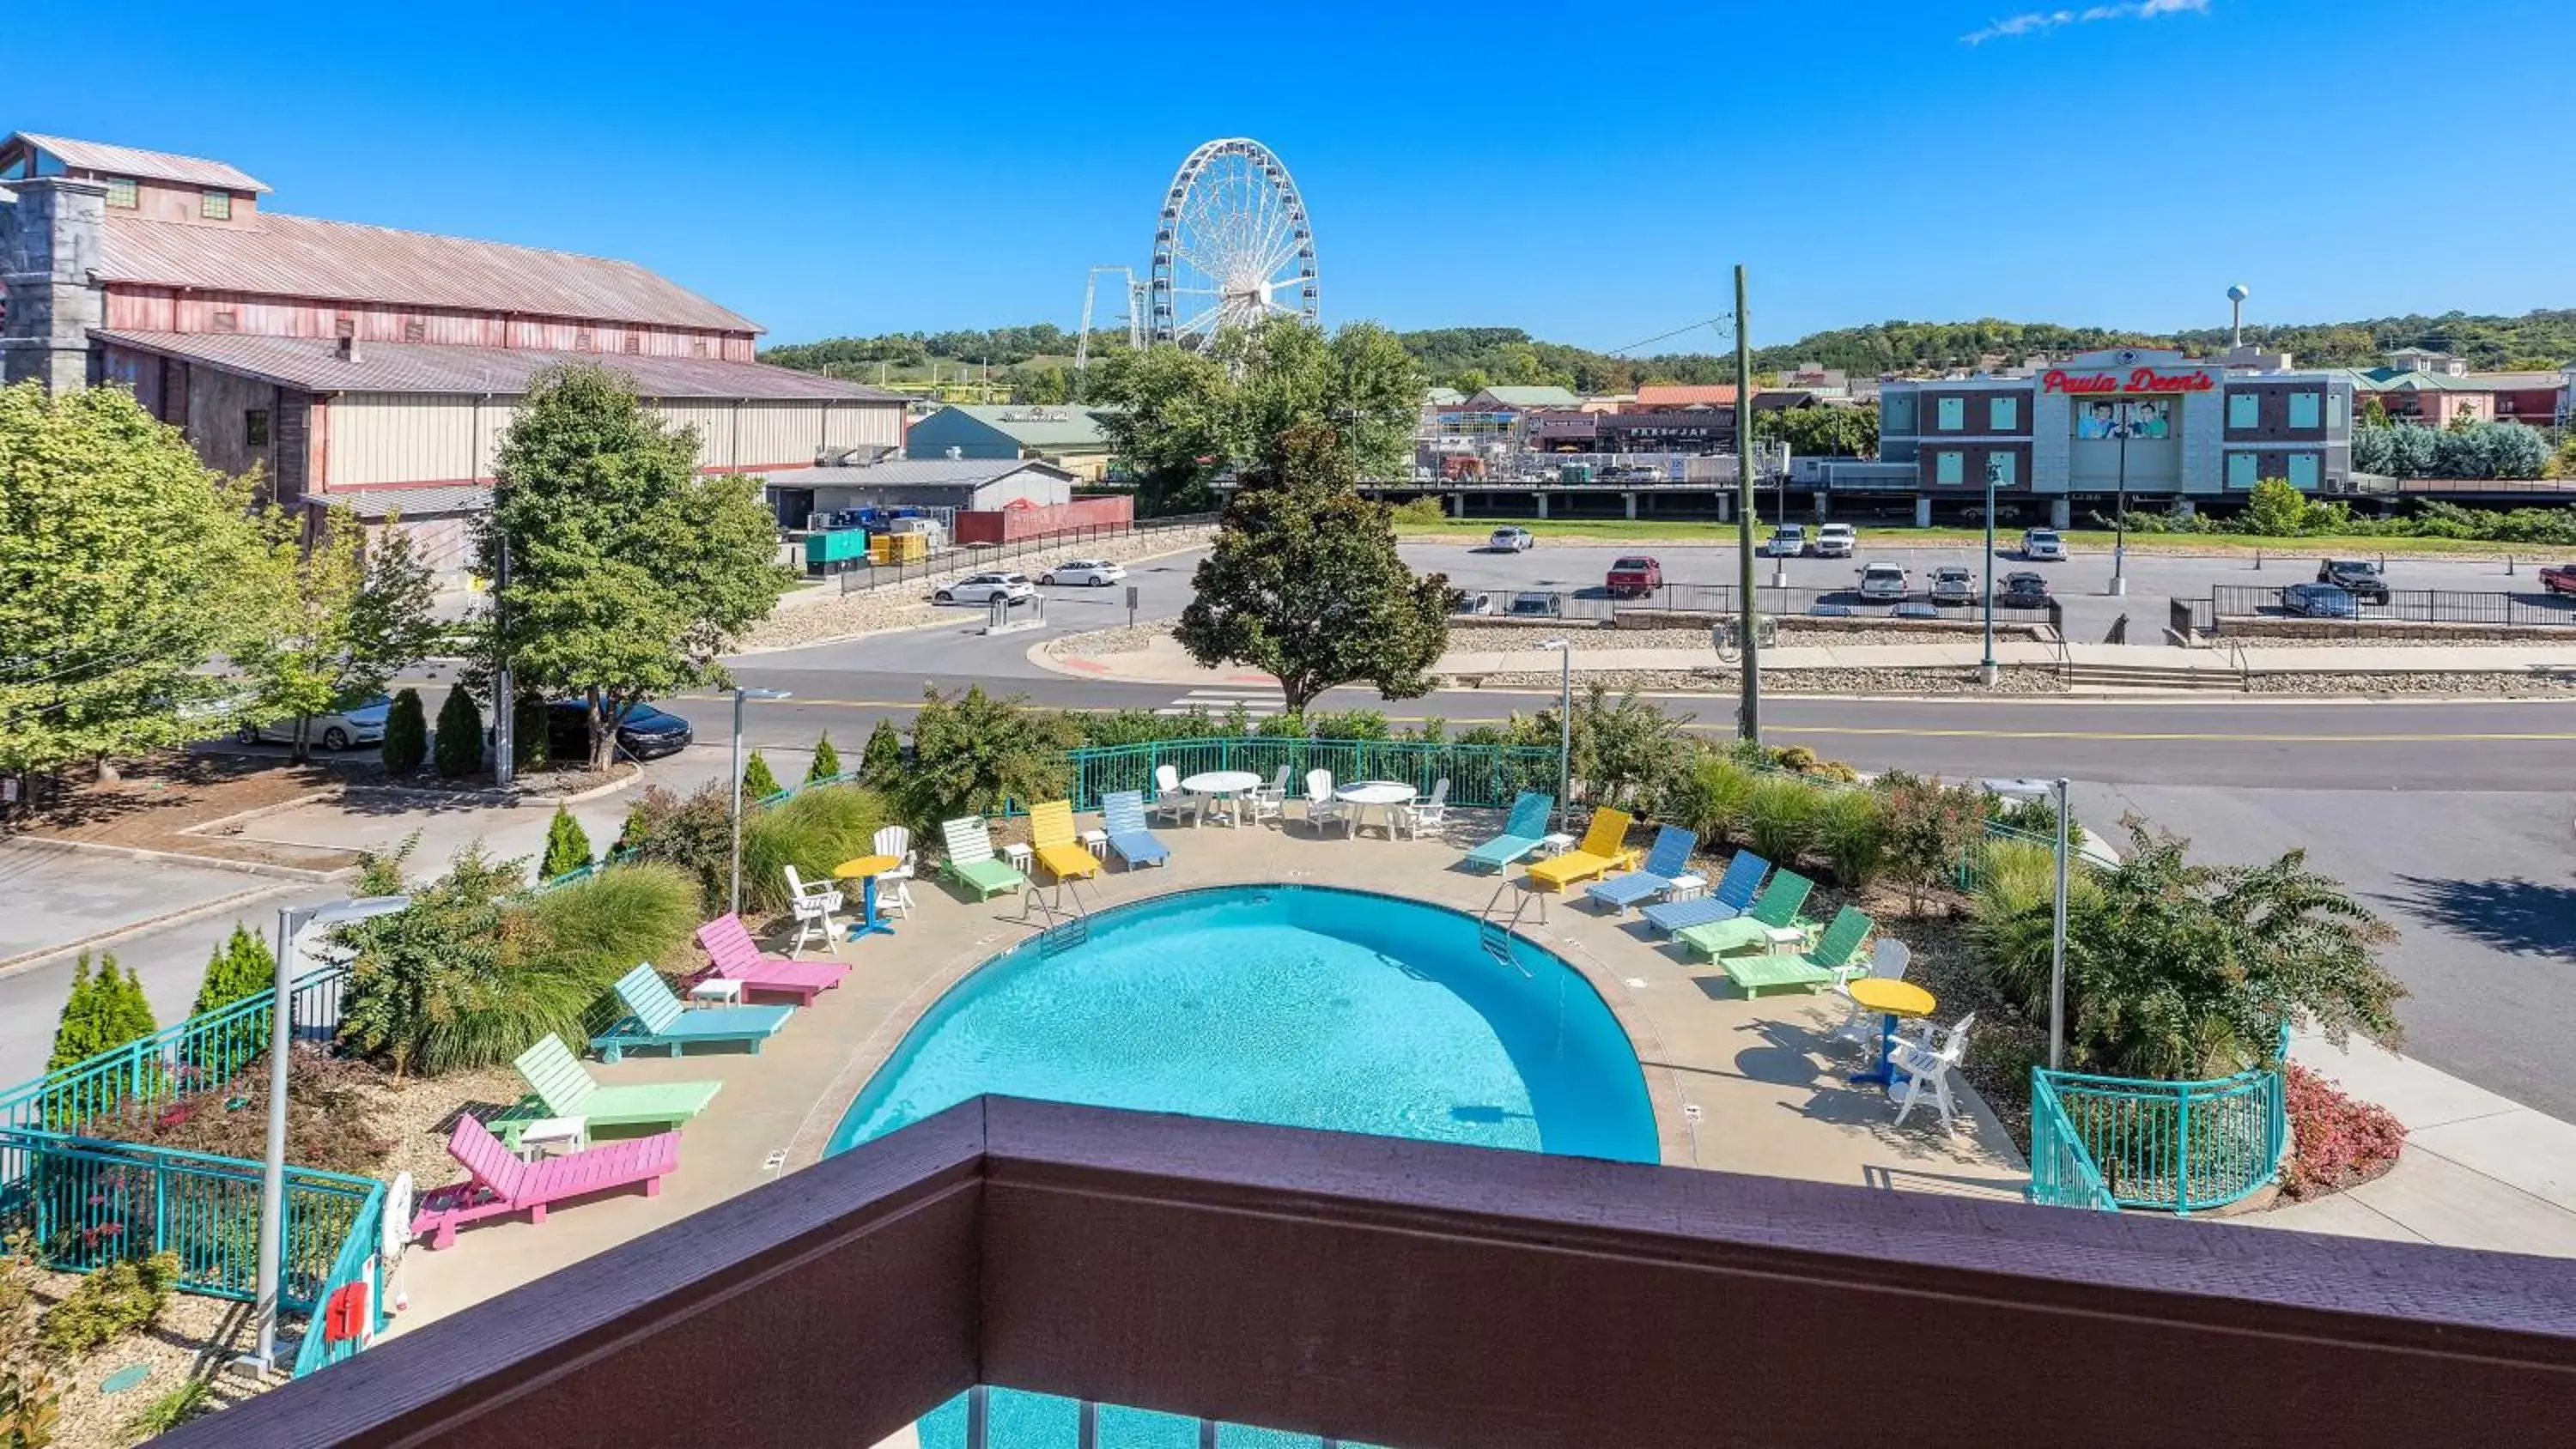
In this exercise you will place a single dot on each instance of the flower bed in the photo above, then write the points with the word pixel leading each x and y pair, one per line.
pixel 2337 1142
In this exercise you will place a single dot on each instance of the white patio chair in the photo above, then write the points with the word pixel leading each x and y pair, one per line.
pixel 894 887
pixel 814 906
pixel 1430 814
pixel 1171 802
pixel 1919 1067
pixel 1887 962
pixel 1322 809
pixel 1269 802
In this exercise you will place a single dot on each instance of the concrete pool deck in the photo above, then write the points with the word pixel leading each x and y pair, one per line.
pixel 1737 1086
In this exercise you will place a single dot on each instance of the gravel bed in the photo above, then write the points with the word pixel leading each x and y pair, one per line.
pixel 1125 639
pixel 193 1338
pixel 1863 680
pixel 2429 684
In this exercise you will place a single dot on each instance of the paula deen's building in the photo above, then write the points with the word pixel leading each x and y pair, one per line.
pixel 2166 427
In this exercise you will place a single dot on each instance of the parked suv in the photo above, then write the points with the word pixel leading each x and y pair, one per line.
pixel 1836 540
pixel 2358 577
pixel 1511 540
pixel 1883 583
pixel 1787 541
pixel 1634 577
pixel 2042 543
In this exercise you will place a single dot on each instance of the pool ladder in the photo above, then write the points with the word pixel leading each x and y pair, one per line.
pixel 1494 930
pixel 1064 929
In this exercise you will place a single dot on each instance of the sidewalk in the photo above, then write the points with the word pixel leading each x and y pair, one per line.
pixel 2479 1170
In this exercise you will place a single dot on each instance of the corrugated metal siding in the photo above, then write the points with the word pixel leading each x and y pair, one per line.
pixel 393 438
pixel 132 308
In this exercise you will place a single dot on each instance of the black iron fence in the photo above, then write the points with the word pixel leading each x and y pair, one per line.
pixel 2406 606
pixel 1779 601
pixel 863 576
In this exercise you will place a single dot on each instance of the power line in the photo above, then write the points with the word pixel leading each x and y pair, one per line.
pixel 1721 321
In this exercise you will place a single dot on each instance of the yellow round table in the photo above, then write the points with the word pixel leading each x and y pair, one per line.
pixel 865 871
pixel 1890 999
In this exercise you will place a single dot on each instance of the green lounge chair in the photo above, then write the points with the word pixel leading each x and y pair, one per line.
pixel 1524 830
pixel 1773 921
pixel 1835 956
pixel 560 1088
pixel 970 859
pixel 659 1019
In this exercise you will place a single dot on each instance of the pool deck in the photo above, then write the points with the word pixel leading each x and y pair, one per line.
pixel 1737 1085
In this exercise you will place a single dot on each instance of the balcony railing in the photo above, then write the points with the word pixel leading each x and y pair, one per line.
pixel 1420 1294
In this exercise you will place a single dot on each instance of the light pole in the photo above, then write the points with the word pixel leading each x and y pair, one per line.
pixel 2120 514
pixel 2055 792
pixel 1987 671
pixel 734 896
pixel 291 921
pixel 1564 727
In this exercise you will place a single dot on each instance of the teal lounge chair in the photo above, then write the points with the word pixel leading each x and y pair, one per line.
pixel 1773 921
pixel 970 859
pixel 1523 831
pixel 1835 956
pixel 660 1020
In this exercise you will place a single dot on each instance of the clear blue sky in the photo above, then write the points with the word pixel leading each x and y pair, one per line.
pixel 1587 173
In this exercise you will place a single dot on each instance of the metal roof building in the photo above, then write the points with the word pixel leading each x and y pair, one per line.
pixel 1068 436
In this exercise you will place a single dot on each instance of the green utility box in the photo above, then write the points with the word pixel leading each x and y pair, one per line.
pixel 835 549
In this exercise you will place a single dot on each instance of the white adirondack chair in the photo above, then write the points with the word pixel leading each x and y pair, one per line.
pixel 1171 802
pixel 1922 1066
pixel 1429 814
pixel 894 887
pixel 1887 962
pixel 1322 809
pixel 813 906
pixel 1269 802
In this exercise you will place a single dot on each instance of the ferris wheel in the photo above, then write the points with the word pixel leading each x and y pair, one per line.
pixel 1232 247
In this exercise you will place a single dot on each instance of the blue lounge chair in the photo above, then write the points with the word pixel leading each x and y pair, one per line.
pixel 1733 895
pixel 660 1020
pixel 1123 815
pixel 1668 858
pixel 1523 831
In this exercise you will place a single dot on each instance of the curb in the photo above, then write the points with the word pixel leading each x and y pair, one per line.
pixel 175 857
pixel 43 955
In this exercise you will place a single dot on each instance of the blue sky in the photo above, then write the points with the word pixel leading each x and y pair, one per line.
pixel 1588 173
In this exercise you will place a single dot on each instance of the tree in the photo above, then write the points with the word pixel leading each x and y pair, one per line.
pixel 241 968
pixel 975 754
pixel 881 762
pixel 1045 386
pixel 102 1012
pixel 757 782
pixel 343 619
pixel 1304 581
pixel 2374 412
pixel 628 571
pixel 2275 509
pixel 125 564
pixel 827 761
pixel 406 735
pixel 1930 830
pixel 76 1030
pixel 1183 416
pixel 567 846
pixel 1827 430
pixel 460 735
pixel 2562 464
pixel 529 747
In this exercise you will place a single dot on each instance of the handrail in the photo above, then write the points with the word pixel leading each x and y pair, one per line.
pixel 2236 658
pixel 2180 1147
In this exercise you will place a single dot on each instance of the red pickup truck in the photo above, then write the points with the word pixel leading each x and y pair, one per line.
pixel 2560 580
pixel 1634 578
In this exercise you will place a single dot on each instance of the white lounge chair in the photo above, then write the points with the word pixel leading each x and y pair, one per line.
pixel 1431 814
pixel 1920 1065
pixel 813 906
pixel 1322 809
pixel 1171 802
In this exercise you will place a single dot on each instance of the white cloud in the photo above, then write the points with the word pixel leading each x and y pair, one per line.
pixel 2037 22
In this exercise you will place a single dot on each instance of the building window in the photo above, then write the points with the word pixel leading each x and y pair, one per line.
pixel 2240 470
pixel 2304 407
pixel 1949 466
pixel 2003 414
pixel 255 428
pixel 415 330
pixel 2000 468
pixel 1953 414
pixel 2244 410
pixel 2334 410
pixel 122 193
pixel 227 322
pixel 215 205
pixel 2303 471
pixel 344 325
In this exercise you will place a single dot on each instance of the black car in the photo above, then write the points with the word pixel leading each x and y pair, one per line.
pixel 2023 591
pixel 2355 576
pixel 647 733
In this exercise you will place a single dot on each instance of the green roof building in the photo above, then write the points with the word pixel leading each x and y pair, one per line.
pixel 1067 436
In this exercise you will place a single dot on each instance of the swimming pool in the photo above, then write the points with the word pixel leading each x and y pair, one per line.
pixel 1298 1006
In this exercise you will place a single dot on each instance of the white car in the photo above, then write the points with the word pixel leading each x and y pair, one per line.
pixel 1787 541
pixel 984 588
pixel 1511 540
pixel 1836 540
pixel 1098 573
pixel 342 729
pixel 1883 583
pixel 2042 543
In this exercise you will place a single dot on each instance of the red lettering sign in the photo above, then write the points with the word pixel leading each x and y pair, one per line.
pixel 2144 379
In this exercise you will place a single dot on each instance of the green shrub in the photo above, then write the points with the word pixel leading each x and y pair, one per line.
pixel 1780 819
pixel 1712 799
pixel 693 833
pixel 330 1117
pixel 100 1013
pixel 239 969
pixel 567 846
pixel 30 1404
pixel 881 762
pixel 1931 829
pixel 1414 513
pixel 1350 724
pixel 1851 833
pixel 975 753
pixel 757 782
pixel 585 935
pixel 116 1300
pixel 406 735
pixel 191 1399
pixel 827 761
pixel 460 735
pixel 813 832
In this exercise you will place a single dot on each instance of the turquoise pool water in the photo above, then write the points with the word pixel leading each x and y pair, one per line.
pixel 1298 1006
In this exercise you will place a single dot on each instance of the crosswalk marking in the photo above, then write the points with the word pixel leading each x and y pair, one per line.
pixel 1259 702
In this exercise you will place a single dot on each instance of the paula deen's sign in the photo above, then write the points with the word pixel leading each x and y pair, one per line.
pixel 2136 380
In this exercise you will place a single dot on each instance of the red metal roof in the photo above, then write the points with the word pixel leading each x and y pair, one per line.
pixel 147 165
pixel 1682 395
pixel 314 365
pixel 299 256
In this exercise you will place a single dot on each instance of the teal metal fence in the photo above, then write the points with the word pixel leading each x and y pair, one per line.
pixel 1479 776
pixel 2180 1147
pixel 200 1054
pixel 2062 1173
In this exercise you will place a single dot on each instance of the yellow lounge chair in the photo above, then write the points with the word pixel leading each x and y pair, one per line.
pixel 1051 837
pixel 1600 853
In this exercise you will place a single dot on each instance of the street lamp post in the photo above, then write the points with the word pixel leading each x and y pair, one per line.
pixel 1564 726
pixel 291 921
pixel 734 896
pixel 2120 513
pixel 1987 672
pixel 2055 792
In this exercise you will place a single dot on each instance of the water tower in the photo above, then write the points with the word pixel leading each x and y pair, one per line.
pixel 2236 296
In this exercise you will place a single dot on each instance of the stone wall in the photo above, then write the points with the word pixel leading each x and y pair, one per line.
pixel 47 252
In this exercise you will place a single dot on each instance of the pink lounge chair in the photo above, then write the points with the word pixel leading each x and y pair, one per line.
pixel 737 956
pixel 502 1185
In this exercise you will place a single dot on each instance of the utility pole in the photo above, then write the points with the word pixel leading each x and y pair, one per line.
pixel 505 700
pixel 1748 722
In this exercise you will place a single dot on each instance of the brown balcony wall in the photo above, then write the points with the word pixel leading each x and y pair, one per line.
pixel 1431 1296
